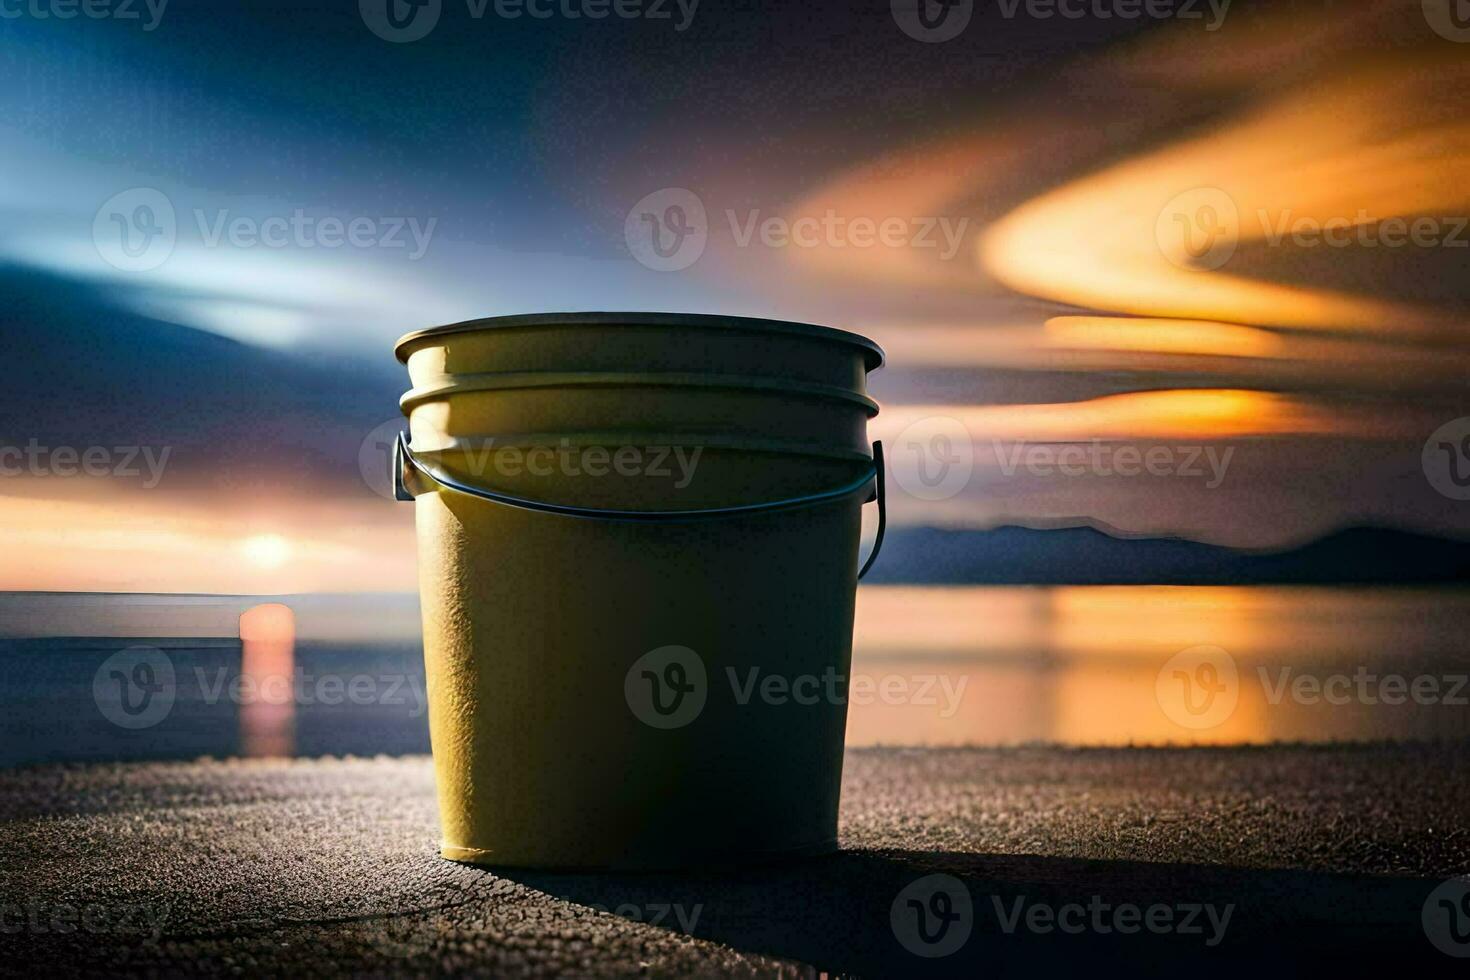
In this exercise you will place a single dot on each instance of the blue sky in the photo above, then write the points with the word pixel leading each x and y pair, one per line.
pixel 278 175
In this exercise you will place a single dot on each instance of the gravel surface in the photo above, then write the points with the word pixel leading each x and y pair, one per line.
pixel 1320 857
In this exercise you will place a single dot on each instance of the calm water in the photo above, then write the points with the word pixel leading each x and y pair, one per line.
pixel 1103 665
pixel 79 674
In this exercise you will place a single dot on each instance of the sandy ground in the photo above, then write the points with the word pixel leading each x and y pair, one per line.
pixel 1320 858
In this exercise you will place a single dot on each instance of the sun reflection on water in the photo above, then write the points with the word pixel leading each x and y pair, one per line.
pixel 1102 665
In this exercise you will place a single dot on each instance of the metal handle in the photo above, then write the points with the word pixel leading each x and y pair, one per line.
pixel 406 466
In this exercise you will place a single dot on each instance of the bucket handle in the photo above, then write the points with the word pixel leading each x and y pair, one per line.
pixel 406 466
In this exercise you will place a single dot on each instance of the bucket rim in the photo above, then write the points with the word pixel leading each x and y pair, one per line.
pixel 873 355
pixel 527 380
pixel 719 442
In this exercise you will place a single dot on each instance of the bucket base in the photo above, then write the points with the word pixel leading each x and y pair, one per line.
pixel 713 860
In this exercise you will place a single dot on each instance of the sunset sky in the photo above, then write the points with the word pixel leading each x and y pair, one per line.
pixel 1101 230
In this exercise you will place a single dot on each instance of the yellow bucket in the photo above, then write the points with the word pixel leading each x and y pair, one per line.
pixel 635 665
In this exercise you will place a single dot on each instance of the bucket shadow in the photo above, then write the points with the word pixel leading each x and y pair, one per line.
pixel 837 914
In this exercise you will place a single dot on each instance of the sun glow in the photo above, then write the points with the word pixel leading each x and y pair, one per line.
pixel 1161 336
pixel 1355 148
pixel 266 550
pixel 1166 414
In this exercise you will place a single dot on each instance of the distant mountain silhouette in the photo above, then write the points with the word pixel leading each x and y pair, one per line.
pixel 1088 556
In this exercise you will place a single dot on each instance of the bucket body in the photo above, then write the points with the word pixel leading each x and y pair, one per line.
pixel 607 691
